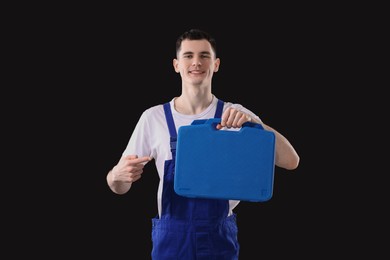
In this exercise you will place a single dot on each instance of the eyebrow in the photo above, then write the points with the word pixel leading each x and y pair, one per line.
pixel 190 52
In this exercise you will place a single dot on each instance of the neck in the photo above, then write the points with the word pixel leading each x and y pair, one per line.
pixel 192 104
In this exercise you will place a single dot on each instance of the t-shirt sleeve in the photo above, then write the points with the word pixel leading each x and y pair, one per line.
pixel 139 140
pixel 245 110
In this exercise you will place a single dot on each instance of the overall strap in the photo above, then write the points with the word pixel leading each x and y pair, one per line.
pixel 218 112
pixel 171 127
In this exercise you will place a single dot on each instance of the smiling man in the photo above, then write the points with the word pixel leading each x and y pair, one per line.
pixel 189 228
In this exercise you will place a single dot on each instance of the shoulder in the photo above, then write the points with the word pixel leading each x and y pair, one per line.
pixel 154 113
pixel 154 109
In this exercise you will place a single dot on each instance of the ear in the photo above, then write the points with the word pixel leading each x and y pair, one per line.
pixel 216 64
pixel 175 64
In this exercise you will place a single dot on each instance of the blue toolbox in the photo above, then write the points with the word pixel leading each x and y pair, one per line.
pixel 236 164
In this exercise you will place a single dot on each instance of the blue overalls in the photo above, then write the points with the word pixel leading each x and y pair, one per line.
pixel 192 228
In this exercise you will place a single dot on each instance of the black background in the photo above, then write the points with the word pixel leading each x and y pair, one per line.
pixel 92 70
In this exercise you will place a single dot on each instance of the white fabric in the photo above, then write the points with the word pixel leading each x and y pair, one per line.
pixel 151 136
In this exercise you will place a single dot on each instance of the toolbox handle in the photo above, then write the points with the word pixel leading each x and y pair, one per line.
pixel 215 121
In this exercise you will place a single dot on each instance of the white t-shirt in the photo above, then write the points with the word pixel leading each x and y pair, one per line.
pixel 151 136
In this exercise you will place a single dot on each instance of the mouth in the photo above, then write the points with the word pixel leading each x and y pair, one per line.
pixel 196 72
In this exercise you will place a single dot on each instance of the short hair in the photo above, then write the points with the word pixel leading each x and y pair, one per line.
pixel 196 34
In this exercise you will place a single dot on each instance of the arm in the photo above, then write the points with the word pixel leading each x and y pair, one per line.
pixel 285 155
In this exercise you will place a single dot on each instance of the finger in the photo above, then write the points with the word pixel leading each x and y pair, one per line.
pixel 134 171
pixel 132 156
pixel 236 120
pixel 230 119
pixel 225 117
pixel 136 174
pixel 243 119
pixel 133 159
pixel 135 178
pixel 141 160
pixel 128 157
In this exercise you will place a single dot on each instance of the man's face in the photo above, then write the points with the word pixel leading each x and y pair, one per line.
pixel 196 62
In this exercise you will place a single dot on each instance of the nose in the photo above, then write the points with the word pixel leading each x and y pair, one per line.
pixel 196 62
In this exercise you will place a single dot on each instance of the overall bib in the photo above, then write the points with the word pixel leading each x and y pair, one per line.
pixel 192 228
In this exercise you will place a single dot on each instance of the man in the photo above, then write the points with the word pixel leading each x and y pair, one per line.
pixel 189 228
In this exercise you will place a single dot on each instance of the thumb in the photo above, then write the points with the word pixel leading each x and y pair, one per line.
pixel 132 156
pixel 128 157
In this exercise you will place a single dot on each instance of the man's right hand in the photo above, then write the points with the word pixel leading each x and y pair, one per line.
pixel 129 168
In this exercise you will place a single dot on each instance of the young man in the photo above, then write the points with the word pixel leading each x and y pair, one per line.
pixel 189 228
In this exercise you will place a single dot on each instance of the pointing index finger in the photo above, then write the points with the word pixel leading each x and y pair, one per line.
pixel 135 159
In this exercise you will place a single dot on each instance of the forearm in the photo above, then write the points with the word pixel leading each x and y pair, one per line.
pixel 285 154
